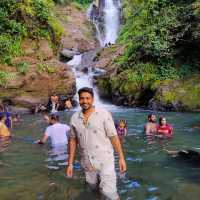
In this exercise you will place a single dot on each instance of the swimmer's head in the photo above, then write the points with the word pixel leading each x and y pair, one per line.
pixel 122 123
pixel 152 118
pixel 162 121
pixel 54 118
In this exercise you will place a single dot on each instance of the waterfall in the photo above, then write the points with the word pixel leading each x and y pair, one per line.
pixel 111 19
pixel 106 18
pixel 84 79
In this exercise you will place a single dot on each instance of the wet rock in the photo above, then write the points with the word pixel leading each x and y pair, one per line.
pixel 68 53
pixel 27 101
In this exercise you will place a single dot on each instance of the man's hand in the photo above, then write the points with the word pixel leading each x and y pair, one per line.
pixel 122 165
pixel 69 171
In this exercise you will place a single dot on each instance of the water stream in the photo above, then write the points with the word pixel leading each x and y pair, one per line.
pixel 32 172
pixel 27 170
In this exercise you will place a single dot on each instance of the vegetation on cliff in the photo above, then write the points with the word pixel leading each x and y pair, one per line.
pixel 162 42
pixel 25 19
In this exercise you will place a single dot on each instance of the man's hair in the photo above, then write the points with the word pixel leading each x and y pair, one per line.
pixel 150 115
pixel 86 89
pixel 54 117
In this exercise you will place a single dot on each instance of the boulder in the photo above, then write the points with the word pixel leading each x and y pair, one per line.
pixel 68 53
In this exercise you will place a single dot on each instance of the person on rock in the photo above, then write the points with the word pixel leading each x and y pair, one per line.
pixel 53 104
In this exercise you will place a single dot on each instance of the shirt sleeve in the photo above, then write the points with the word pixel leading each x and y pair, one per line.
pixel 109 125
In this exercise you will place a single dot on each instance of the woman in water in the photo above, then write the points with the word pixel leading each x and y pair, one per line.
pixel 4 131
pixel 122 130
pixel 163 129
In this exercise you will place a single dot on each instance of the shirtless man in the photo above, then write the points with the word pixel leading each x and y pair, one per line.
pixel 151 126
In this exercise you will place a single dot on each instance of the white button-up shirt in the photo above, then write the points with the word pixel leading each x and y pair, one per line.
pixel 94 138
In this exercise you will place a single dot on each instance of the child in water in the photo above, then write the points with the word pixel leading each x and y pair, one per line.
pixel 122 130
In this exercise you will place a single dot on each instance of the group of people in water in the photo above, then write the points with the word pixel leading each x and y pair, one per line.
pixel 161 130
pixel 55 104
pixel 96 134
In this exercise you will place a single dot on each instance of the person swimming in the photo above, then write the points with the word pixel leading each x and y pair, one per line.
pixel 4 131
pixel 163 129
pixel 151 126
pixel 122 130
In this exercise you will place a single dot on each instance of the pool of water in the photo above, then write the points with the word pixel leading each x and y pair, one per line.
pixel 32 172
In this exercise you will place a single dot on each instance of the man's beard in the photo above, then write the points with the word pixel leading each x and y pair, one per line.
pixel 85 107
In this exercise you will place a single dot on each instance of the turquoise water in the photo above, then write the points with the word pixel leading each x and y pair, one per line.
pixel 31 172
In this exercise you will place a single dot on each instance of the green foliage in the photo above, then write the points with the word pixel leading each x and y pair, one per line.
pixel 10 47
pixel 161 31
pixel 41 67
pixel 5 77
pixel 82 2
pixel 22 67
pixel 27 18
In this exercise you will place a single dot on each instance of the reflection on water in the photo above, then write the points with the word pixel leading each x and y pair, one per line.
pixel 57 157
pixel 35 172
pixel 4 143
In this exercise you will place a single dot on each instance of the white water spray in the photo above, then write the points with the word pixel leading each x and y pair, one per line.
pixel 111 22
pixel 84 79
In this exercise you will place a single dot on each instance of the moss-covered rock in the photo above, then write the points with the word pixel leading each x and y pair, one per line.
pixel 183 95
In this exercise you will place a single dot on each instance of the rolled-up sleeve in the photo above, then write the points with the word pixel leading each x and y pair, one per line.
pixel 109 125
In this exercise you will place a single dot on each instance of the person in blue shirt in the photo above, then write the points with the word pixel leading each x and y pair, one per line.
pixel 8 121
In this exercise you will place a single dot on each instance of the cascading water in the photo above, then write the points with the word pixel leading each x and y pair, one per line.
pixel 111 22
pixel 84 79
pixel 110 27
pixel 106 19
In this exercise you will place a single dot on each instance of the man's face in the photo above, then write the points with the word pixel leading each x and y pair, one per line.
pixel 153 118
pixel 86 100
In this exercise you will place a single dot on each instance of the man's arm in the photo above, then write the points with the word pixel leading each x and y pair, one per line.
pixel 43 140
pixel 117 146
pixel 72 152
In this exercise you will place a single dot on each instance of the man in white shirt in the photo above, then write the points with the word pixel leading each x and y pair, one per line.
pixel 57 132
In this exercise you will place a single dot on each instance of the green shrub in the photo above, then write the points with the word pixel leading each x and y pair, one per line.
pixel 41 67
pixel 22 67
pixel 28 18
pixel 5 77
pixel 161 31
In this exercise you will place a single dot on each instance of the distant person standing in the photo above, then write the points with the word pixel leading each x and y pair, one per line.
pixel 53 104
pixel 94 130
pixel 151 126
pixel 57 132
pixel 68 104
pixel 164 129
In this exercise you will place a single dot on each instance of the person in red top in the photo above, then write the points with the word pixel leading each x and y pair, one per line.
pixel 164 129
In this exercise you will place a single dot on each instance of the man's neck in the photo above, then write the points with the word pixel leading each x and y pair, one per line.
pixel 88 111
